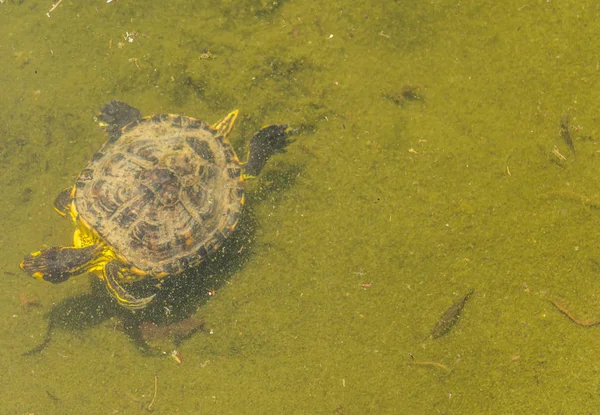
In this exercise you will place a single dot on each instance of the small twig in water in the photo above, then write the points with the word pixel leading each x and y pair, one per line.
pixel 434 364
pixel 563 309
pixel 54 6
pixel 155 392
pixel 42 346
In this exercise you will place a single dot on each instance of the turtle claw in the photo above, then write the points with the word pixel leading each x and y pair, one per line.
pixel 112 272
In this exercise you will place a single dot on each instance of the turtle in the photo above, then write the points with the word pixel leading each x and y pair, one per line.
pixel 158 198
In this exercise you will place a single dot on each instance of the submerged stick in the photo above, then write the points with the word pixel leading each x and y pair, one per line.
pixel 564 132
pixel 155 392
pixel 563 309
pixel 38 349
pixel 434 364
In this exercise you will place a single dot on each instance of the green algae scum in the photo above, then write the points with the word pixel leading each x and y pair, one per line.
pixel 433 154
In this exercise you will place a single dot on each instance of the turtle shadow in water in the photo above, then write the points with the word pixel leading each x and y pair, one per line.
pixel 179 297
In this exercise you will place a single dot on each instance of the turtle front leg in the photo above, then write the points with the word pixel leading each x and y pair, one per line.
pixel 112 276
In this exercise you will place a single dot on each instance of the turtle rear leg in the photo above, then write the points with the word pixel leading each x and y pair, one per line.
pixel 58 264
pixel 62 203
pixel 112 277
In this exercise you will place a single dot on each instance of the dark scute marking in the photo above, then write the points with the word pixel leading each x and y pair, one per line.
pixel 184 263
pixel 98 188
pixel 107 170
pixel 108 207
pixel 194 260
pixel 181 241
pixel 234 173
pixel 97 156
pixel 117 158
pixel 202 252
pixel 127 216
pixel 101 199
pixel 210 173
pixel 216 241
pixel 196 195
pixel 207 217
pixel 237 192
pixel 194 124
pixel 229 155
pixel 122 195
pixel 182 165
pixel 142 233
pixel 201 148
pixel 172 268
pixel 146 154
pixel 156 118
pixel 86 174
pixel 164 183
pixel 176 121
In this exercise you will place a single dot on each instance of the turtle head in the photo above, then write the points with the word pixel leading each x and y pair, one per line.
pixel 58 264
pixel 266 142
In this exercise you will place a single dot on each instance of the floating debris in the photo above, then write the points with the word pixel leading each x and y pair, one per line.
pixel 155 393
pixel 176 331
pixel 563 309
pixel 450 317
pixel 54 6
pixel 28 303
pixel 433 364
pixel 406 94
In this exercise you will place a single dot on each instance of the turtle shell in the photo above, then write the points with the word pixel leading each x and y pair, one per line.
pixel 163 194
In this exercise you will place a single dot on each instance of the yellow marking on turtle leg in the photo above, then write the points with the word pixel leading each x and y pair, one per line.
pixel 226 124
pixel 78 240
pixel 112 275
pixel 248 177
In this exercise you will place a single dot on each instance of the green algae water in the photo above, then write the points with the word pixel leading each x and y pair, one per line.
pixel 429 160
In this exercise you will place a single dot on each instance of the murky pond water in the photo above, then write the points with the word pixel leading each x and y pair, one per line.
pixel 429 160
